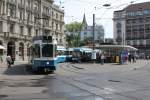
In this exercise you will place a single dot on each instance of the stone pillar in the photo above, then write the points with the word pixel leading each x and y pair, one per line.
pixel 17 51
pixel 25 52
pixel 5 52
pixel 25 13
pixel 17 10
pixel 25 30
pixel 16 28
pixel 4 7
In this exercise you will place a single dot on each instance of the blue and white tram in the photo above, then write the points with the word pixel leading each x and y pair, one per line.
pixel 82 54
pixel 43 54
pixel 69 53
pixel 61 56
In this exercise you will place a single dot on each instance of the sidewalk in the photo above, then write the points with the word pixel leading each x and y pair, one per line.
pixel 3 66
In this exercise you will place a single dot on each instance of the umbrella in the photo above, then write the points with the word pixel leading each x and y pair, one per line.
pixel 2 47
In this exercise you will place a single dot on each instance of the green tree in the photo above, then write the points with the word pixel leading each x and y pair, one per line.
pixel 74 28
pixel 69 39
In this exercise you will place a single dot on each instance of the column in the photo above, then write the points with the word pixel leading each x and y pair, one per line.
pixel 5 51
pixel 25 30
pixel 25 52
pixel 17 10
pixel 17 51
pixel 4 7
pixel 25 13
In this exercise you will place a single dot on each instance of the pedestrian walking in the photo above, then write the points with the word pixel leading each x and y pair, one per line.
pixel 133 58
pixel 9 61
pixel 129 58
pixel 1 59
pixel 102 59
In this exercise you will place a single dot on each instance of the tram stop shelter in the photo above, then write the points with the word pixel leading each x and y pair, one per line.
pixel 111 52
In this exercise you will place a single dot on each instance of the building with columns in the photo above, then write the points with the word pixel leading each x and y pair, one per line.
pixel 132 26
pixel 21 20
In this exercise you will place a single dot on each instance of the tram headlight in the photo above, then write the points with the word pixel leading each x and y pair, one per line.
pixel 47 63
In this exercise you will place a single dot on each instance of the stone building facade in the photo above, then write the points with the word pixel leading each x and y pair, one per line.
pixel 20 20
pixel 132 26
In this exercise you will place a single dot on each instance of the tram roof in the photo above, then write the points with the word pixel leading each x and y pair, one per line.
pixel 119 47
pixel 69 49
pixel 62 48
pixel 127 47
pixel 83 49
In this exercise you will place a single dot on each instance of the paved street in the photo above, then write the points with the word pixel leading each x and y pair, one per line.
pixel 77 82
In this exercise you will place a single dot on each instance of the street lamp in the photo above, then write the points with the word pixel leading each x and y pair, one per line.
pixel 105 5
pixel 94 53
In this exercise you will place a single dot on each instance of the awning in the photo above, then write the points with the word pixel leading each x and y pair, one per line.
pixel 2 47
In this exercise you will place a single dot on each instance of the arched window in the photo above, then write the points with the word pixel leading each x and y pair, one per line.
pixel 118 25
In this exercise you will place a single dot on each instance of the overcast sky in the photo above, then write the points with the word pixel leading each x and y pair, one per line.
pixel 75 9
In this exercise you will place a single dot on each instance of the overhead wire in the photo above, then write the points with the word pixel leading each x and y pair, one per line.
pixel 95 8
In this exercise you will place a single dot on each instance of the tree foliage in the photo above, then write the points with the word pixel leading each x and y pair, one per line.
pixel 73 39
pixel 74 27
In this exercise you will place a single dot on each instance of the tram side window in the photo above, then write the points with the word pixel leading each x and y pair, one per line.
pixel 47 50
pixel 36 50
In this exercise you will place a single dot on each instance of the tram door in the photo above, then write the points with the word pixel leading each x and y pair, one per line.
pixel 11 49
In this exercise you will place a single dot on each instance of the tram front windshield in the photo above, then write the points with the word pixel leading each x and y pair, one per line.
pixel 47 50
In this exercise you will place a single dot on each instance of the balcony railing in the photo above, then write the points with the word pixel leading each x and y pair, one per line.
pixel 10 18
pixel 13 35
pixel 31 23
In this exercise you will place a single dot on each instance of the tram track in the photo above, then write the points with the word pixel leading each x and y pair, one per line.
pixel 85 86
pixel 88 87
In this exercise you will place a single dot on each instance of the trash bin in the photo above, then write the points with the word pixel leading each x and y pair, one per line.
pixel 117 59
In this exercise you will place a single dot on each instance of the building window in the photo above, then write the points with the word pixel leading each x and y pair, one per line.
pixel 52 14
pixel 21 15
pixel 134 43
pixel 29 31
pixel 1 27
pixel 56 26
pixel 118 31
pixel 128 42
pixel 21 30
pixel 36 32
pixel 61 17
pixel 56 16
pixel 139 13
pixel 118 25
pixel 141 42
pixel 146 12
pixel 148 42
pixel 11 28
pixel 141 20
pixel 11 10
pixel 52 25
